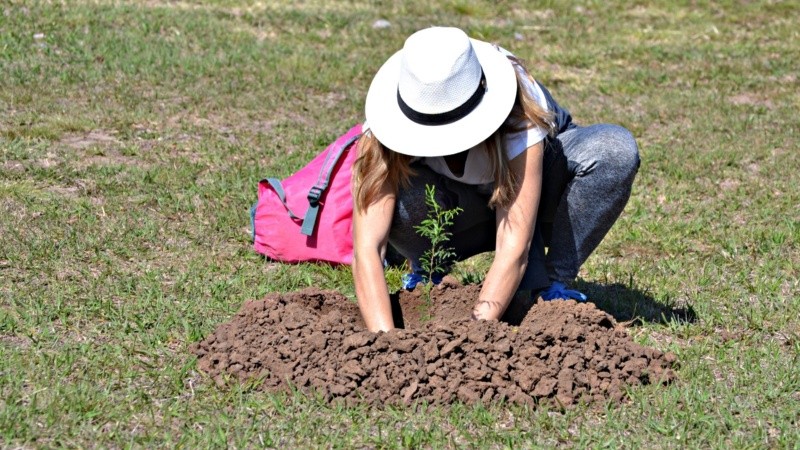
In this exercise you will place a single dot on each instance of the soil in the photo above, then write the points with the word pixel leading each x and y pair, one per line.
pixel 558 352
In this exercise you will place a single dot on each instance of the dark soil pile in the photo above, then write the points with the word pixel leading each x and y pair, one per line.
pixel 560 352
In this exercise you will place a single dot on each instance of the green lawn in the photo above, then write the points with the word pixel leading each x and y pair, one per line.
pixel 133 134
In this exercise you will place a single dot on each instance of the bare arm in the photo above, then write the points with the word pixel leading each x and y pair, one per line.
pixel 370 237
pixel 515 225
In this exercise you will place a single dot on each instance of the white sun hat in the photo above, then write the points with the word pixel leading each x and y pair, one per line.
pixel 443 93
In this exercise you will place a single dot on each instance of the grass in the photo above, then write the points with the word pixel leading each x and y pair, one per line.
pixel 132 136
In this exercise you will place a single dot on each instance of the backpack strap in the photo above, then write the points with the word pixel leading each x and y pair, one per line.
pixel 324 178
pixel 278 188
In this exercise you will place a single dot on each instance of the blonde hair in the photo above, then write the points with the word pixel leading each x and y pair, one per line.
pixel 376 165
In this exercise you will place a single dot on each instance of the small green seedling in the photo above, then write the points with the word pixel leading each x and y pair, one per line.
pixel 435 226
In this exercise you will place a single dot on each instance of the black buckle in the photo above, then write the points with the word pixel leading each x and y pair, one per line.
pixel 314 194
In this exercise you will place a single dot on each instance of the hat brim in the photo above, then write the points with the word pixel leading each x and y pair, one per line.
pixel 397 132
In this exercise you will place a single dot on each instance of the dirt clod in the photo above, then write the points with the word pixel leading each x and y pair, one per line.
pixel 560 352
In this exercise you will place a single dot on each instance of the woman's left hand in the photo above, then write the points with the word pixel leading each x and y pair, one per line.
pixel 487 310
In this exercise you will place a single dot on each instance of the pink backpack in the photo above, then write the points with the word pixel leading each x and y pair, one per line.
pixel 309 215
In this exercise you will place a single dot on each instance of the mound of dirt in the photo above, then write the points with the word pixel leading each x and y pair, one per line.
pixel 560 352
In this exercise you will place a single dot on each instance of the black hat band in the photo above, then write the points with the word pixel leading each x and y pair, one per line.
pixel 446 117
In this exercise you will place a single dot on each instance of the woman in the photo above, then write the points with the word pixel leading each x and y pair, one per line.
pixel 466 117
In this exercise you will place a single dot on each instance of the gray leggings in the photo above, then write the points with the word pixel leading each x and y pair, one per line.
pixel 587 177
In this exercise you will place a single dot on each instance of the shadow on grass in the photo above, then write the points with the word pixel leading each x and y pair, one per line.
pixel 627 306
pixel 633 306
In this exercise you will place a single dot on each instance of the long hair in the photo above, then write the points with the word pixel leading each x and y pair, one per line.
pixel 377 165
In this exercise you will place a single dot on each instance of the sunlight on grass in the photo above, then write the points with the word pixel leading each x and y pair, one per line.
pixel 133 135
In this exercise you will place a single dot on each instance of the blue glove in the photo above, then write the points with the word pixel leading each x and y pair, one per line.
pixel 558 290
pixel 410 280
